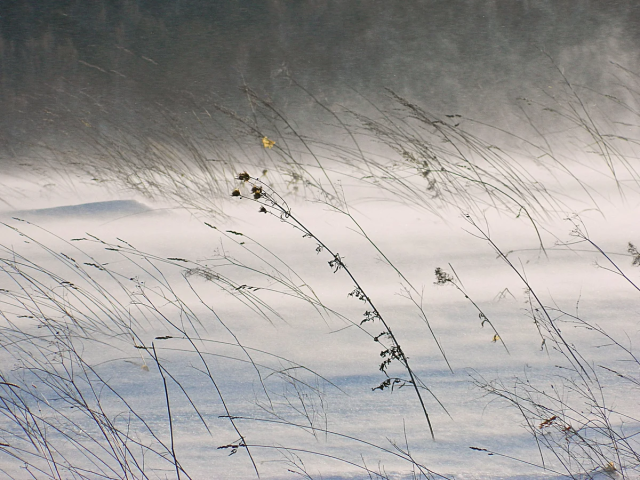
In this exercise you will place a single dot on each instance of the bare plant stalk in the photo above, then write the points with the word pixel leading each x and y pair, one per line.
pixel 265 196
pixel 169 416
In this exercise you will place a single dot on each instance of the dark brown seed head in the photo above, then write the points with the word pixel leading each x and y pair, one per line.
pixel 257 192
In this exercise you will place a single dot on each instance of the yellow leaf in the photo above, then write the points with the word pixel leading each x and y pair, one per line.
pixel 496 337
pixel 267 143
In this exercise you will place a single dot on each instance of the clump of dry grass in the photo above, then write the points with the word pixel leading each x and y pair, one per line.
pixel 572 415
pixel 67 417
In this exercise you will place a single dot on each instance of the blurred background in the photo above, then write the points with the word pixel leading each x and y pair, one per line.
pixel 68 64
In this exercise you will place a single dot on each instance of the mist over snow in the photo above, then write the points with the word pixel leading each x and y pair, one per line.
pixel 337 240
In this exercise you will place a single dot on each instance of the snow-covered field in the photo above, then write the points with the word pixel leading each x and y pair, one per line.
pixel 140 342
pixel 319 240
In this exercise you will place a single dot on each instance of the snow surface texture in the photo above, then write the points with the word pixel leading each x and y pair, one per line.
pixel 227 323
pixel 113 208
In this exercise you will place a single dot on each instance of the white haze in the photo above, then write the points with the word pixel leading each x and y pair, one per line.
pixel 572 278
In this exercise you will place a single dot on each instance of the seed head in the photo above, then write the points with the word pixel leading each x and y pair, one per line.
pixel 257 192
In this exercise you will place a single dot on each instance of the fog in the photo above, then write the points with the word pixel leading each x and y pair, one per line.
pixel 121 59
pixel 319 239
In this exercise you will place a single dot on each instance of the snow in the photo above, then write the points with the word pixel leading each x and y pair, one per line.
pixel 299 380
